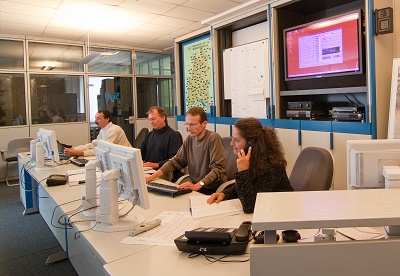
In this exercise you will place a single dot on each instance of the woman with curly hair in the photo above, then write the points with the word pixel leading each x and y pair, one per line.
pixel 262 169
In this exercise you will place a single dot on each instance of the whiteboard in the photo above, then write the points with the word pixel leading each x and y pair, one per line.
pixel 246 79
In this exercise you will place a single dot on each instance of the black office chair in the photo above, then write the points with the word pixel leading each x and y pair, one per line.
pixel 313 170
pixel 10 156
pixel 140 137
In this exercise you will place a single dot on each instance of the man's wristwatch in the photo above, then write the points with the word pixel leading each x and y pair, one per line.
pixel 201 183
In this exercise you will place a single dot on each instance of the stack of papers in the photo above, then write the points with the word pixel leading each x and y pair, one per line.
pixel 200 208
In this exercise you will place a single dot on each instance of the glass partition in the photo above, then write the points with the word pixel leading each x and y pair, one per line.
pixel 154 91
pixel 57 99
pixel 153 64
pixel 11 54
pixel 12 100
pixel 110 61
pixel 54 57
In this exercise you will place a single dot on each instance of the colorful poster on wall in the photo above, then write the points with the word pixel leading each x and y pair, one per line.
pixel 197 69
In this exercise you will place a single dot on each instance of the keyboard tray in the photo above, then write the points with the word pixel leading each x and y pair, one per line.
pixel 167 189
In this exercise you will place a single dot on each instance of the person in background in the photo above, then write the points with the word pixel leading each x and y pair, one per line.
pixel 61 113
pixel 109 132
pixel 43 117
pixel 3 117
pixel 262 169
pixel 202 152
pixel 52 113
pixel 160 144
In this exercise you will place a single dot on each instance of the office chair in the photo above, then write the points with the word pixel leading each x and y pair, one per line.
pixel 313 170
pixel 140 137
pixel 231 167
pixel 10 156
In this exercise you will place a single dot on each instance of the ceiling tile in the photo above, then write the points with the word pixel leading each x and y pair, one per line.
pixel 156 29
pixel 26 19
pixel 172 22
pixel 189 14
pixel 150 6
pixel 210 5
pixel 24 9
pixel 134 23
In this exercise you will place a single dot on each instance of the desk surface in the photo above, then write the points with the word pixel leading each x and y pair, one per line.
pixel 105 248
pixel 319 209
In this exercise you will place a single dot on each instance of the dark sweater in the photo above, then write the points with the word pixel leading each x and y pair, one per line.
pixel 160 145
pixel 275 180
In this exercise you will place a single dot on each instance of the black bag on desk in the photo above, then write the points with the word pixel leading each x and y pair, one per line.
pixel 215 241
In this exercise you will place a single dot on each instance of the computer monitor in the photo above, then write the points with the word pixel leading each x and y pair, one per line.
pixel 44 153
pixel 365 161
pixel 126 179
pixel 101 152
pixel 89 200
pixel 50 146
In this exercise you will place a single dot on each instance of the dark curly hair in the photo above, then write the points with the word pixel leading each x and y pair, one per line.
pixel 267 150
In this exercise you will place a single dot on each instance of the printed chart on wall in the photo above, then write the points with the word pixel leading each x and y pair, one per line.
pixel 197 73
pixel 246 79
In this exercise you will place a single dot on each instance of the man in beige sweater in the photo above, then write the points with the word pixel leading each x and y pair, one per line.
pixel 202 152
pixel 109 132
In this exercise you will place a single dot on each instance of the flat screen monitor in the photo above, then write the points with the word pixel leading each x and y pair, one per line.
pixel 125 178
pixel 50 146
pixel 131 182
pixel 101 151
pixel 365 161
pixel 324 48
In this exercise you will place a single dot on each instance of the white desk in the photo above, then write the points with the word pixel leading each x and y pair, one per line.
pixel 93 249
pixel 326 209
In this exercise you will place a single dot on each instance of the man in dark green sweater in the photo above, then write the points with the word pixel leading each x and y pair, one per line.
pixel 202 152
pixel 160 144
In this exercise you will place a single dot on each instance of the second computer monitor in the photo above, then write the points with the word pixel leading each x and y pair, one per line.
pixel 132 182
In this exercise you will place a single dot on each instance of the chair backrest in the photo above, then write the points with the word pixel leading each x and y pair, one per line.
pixel 18 145
pixel 140 137
pixel 180 135
pixel 313 170
pixel 231 167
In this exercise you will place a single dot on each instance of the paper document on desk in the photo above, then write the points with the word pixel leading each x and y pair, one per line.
pixel 173 225
pixel 200 208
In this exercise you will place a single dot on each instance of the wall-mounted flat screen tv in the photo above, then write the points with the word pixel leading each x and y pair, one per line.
pixel 324 48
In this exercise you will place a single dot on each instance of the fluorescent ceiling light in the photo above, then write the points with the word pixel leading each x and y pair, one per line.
pixel 47 68
pixel 95 57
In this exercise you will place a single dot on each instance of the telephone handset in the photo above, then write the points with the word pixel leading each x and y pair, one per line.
pixel 246 147
pixel 243 233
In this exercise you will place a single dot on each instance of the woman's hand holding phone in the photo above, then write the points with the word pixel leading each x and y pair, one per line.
pixel 243 161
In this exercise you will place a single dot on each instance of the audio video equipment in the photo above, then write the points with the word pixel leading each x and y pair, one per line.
pixel 348 113
pixel 305 105
pixel 305 114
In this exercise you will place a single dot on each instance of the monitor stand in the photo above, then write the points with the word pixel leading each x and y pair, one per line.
pixel 108 219
pixel 89 200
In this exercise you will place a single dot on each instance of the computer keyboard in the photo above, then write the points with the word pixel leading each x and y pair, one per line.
pixel 168 189
pixel 80 162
